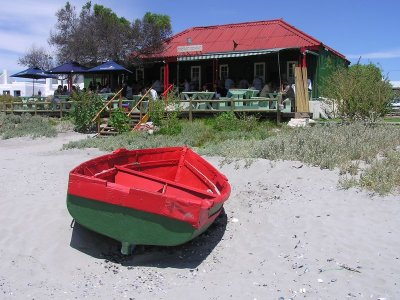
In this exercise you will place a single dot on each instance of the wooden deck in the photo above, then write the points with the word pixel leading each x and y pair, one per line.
pixel 189 107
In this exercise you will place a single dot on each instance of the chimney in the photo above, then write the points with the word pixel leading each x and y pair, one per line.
pixel 5 77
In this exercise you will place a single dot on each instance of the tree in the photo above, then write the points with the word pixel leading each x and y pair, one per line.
pixel 148 35
pixel 359 92
pixel 97 34
pixel 36 57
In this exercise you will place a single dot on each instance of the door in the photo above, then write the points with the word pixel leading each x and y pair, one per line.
pixel 195 78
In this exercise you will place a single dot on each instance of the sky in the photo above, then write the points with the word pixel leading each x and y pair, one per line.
pixel 362 30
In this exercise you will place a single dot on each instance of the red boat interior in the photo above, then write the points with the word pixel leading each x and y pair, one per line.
pixel 175 171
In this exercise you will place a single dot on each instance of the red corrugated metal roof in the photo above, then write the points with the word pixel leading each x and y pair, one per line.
pixel 249 36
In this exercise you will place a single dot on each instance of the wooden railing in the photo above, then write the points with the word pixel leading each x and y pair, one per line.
pixel 255 104
pixel 139 102
pixel 38 107
pixel 187 106
pixel 165 93
pixel 107 105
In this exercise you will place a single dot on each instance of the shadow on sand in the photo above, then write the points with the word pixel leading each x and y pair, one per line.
pixel 188 255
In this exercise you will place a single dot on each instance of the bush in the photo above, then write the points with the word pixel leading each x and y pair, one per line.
pixel 25 125
pixel 119 120
pixel 9 99
pixel 360 92
pixel 226 121
pixel 166 119
pixel 86 106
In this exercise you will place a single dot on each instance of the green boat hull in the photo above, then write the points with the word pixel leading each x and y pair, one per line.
pixel 129 226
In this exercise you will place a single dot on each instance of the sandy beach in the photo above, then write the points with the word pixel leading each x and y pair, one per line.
pixel 288 233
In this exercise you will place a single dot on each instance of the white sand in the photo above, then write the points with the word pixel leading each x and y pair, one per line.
pixel 288 232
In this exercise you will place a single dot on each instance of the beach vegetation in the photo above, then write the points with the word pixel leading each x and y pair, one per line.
pixel 9 99
pixel 119 120
pixel 25 125
pixel 358 150
pixel 359 92
pixel 165 115
pixel 86 106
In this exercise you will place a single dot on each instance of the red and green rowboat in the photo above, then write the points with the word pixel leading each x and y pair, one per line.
pixel 159 196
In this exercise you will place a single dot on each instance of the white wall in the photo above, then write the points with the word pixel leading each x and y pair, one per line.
pixel 25 87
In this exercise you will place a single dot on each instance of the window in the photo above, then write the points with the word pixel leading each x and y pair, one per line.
pixel 290 71
pixel 223 71
pixel 140 75
pixel 195 78
pixel 259 70
pixel 6 92
pixel 17 93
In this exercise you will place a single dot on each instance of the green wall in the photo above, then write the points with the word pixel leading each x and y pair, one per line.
pixel 327 63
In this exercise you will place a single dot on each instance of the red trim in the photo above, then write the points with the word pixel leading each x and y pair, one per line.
pixel 303 53
pixel 165 93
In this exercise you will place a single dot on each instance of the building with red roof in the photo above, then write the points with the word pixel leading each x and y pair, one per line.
pixel 243 51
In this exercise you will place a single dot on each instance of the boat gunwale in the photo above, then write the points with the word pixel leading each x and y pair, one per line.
pixel 164 181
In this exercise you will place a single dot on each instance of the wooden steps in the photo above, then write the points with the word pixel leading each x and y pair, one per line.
pixel 107 130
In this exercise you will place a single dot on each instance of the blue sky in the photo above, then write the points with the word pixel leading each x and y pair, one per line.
pixel 368 29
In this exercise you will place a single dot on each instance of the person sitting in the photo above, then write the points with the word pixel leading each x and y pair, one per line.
pixel 157 86
pixel 124 89
pixel 153 94
pixel 194 85
pixel 257 83
pixel 129 92
pixel 105 89
pixel 58 91
pixel 229 83
pixel 204 88
pixel 266 89
pixel 74 90
pixel 136 88
pixel 98 87
pixel 288 93
pixel 56 99
pixel 244 84
pixel 65 91
pixel 186 86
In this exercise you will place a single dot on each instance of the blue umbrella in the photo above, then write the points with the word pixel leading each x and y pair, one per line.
pixel 69 68
pixel 109 67
pixel 33 73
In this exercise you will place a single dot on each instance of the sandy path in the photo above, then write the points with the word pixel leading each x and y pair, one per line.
pixel 288 232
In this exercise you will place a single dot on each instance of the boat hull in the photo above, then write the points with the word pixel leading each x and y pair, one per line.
pixel 160 196
pixel 130 226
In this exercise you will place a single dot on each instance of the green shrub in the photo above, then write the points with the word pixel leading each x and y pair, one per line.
pixel 119 120
pixel 360 92
pixel 9 99
pixel 226 121
pixel 347 147
pixel 25 125
pixel 86 106
pixel 383 176
pixel 157 112
pixel 166 119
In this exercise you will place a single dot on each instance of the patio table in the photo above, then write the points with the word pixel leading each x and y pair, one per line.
pixel 106 96
pixel 199 96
